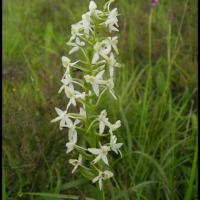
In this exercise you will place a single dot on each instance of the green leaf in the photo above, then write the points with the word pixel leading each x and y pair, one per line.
pixel 3 186
pixel 57 196
pixel 160 80
pixel 190 190
pixel 73 184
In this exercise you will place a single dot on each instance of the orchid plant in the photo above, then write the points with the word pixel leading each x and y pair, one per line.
pixel 91 135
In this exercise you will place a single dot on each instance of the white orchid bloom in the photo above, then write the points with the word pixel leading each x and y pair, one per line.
pixel 71 144
pixel 73 95
pixel 72 128
pixel 101 49
pixel 103 121
pixel 112 21
pixel 92 6
pixel 102 176
pixel 62 117
pixel 66 82
pixel 107 45
pixel 114 145
pixel 105 48
pixel 113 42
pixel 75 30
pixel 76 162
pixel 115 126
pixel 75 45
pixel 95 81
pixel 67 63
pixel 93 9
pixel 86 21
pixel 101 154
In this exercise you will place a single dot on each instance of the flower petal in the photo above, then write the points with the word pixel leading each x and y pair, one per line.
pixel 95 88
pixel 105 159
pixel 94 151
pixel 101 127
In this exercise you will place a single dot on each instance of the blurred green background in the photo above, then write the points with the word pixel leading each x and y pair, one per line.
pixel 157 104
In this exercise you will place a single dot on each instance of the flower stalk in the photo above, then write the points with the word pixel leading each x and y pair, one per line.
pixel 91 135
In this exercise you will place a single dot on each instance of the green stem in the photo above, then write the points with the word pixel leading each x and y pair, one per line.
pixel 168 57
pixel 103 194
pixel 149 37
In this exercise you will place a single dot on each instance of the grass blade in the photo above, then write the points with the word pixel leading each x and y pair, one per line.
pixel 56 196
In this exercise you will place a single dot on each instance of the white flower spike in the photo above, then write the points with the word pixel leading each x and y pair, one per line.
pixel 84 83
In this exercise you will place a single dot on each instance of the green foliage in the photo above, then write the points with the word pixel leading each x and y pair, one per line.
pixel 157 103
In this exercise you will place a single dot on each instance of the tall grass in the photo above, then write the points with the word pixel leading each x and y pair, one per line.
pixel 157 102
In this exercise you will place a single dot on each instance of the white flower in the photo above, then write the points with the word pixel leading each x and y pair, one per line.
pixel 102 176
pixel 66 82
pixel 96 55
pixel 101 153
pixel 103 121
pixel 101 49
pixel 110 86
pixel 73 95
pixel 111 64
pixel 62 117
pixel 71 144
pixel 72 128
pixel 92 6
pixel 95 81
pixel 67 63
pixel 75 30
pixel 112 20
pixel 76 162
pixel 75 45
pixel 105 48
pixel 114 145
pixel 113 42
pixel 86 23
pixel 115 126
